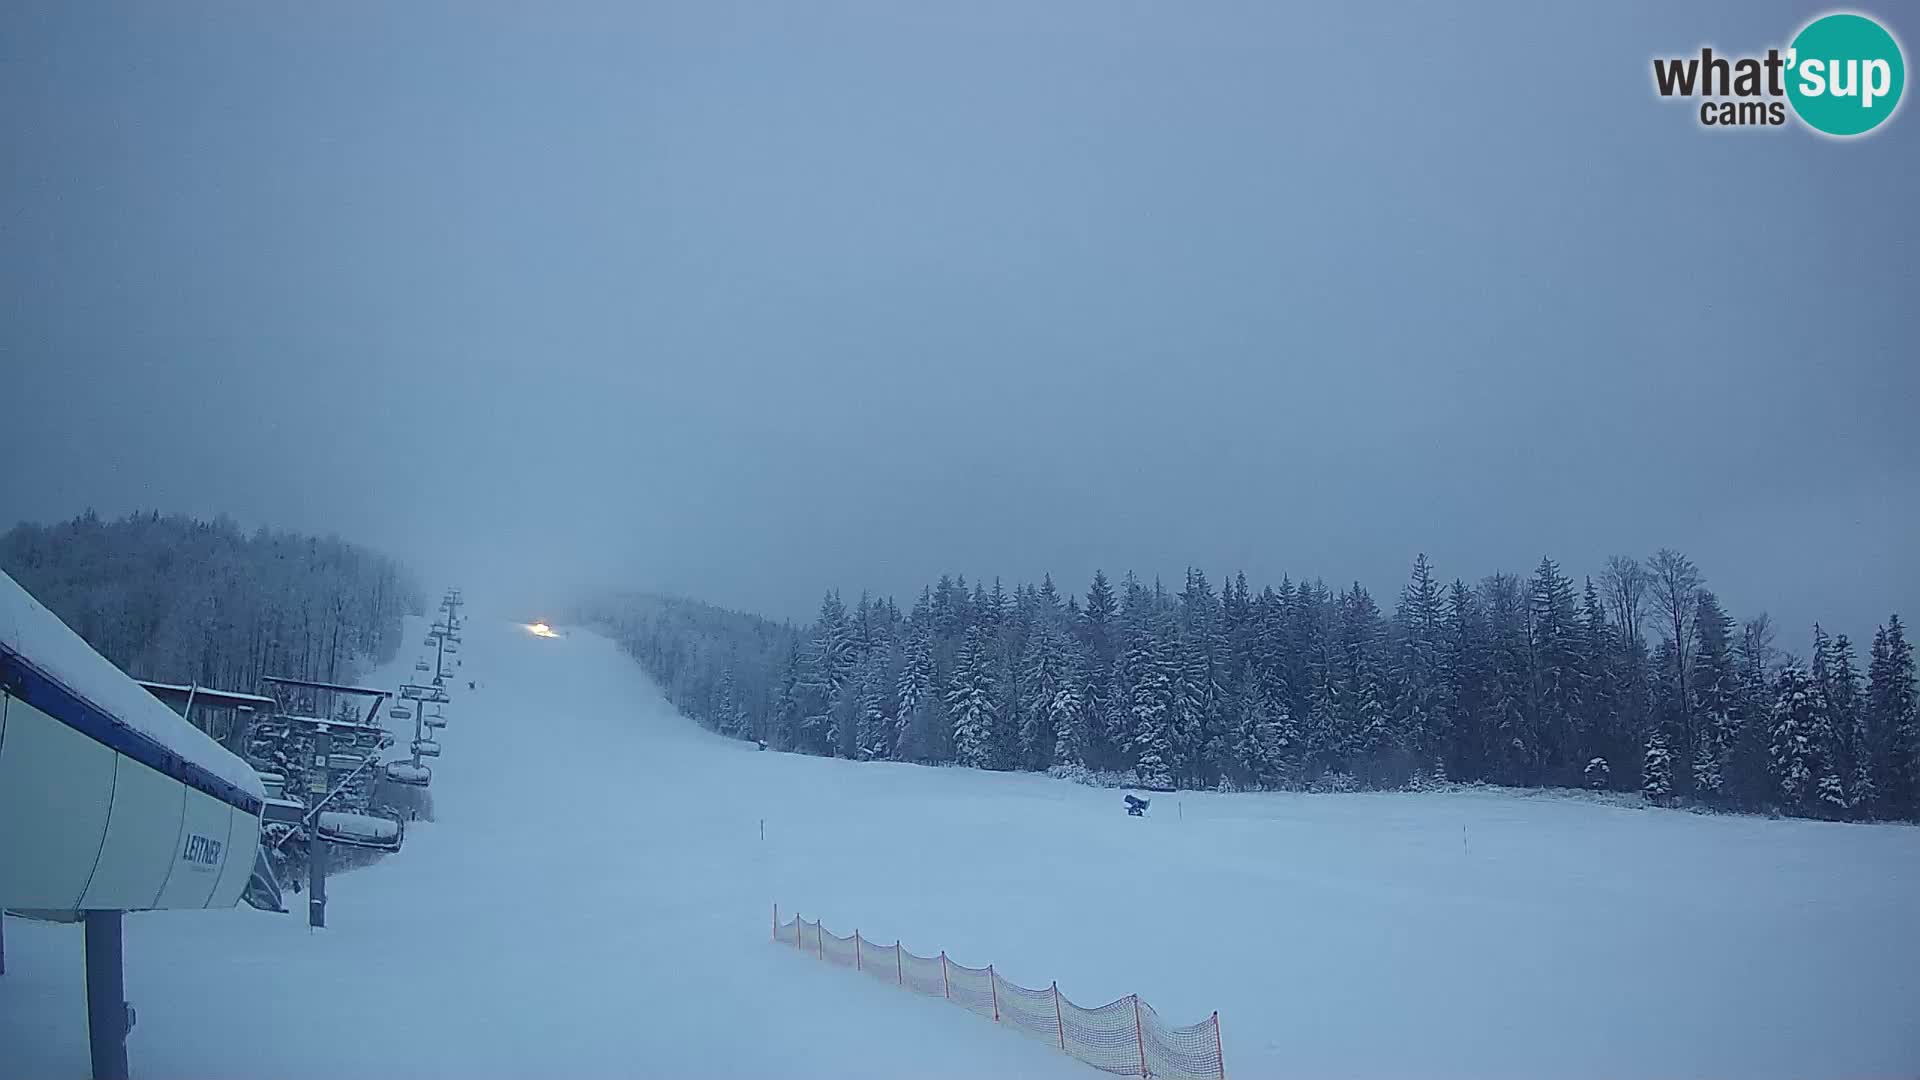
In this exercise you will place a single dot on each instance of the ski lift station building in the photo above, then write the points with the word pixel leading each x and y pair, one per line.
pixel 109 801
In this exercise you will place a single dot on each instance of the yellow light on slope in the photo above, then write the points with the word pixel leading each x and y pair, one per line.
pixel 541 629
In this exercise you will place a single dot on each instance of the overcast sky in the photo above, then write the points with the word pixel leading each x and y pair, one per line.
pixel 750 300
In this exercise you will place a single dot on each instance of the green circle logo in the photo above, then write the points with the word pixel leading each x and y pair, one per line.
pixel 1845 74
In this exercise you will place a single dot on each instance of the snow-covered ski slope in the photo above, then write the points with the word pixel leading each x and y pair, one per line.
pixel 593 901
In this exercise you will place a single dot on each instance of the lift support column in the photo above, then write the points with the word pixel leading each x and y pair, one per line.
pixel 109 1017
pixel 317 849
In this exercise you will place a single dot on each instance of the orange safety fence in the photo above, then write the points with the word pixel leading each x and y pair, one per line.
pixel 1124 1037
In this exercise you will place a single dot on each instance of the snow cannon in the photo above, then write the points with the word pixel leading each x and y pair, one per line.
pixel 1136 806
pixel 109 800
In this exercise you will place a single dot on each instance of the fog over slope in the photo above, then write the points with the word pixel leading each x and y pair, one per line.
pixel 751 304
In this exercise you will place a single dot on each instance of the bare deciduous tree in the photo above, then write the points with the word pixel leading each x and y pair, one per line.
pixel 1675 585
pixel 1625 584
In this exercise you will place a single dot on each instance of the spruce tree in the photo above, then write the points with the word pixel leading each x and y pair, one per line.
pixel 1853 763
pixel 1419 713
pixel 726 713
pixel 1656 775
pixel 1195 727
pixel 1894 722
pixel 1666 714
pixel 1049 702
pixel 1791 753
pixel 1598 726
pixel 913 691
pixel 1831 752
pixel 876 733
pixel 1152 661
pixel 1750 779
pixel 1367 735
pixel 1463 656
pixel 1597 775
pixel 1715 695
pixel 785 733
pixel 1097 618
pixel 1554 661
pixel 826 675
pixel 970 703
pixel 1323 734
pixel 1514 745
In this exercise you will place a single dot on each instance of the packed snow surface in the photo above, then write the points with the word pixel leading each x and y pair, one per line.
pixel 593 896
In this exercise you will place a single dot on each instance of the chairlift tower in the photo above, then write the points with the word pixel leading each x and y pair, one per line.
pixel 342 783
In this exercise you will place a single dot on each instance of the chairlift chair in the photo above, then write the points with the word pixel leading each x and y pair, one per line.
pixel 422 665
pixel 426 748
pixel 400 712
pixel 407 774
pixel 435 722
pixel 359 830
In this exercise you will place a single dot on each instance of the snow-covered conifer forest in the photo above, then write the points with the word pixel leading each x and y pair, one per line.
pixel 1633 678
pixel 175 599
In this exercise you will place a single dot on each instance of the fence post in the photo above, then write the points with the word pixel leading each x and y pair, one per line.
pixel 1219 1054
pixel 1058 1023
pixel 820 940
pixel 776 922
pixel 993 987
pixel 946 988
pixel 899 966
pixel 856 949
pixel 1139 1036
pixel 796 933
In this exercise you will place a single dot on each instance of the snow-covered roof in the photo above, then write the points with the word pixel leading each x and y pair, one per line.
pixel 202 695
pixel 314 684
pixel 101 700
